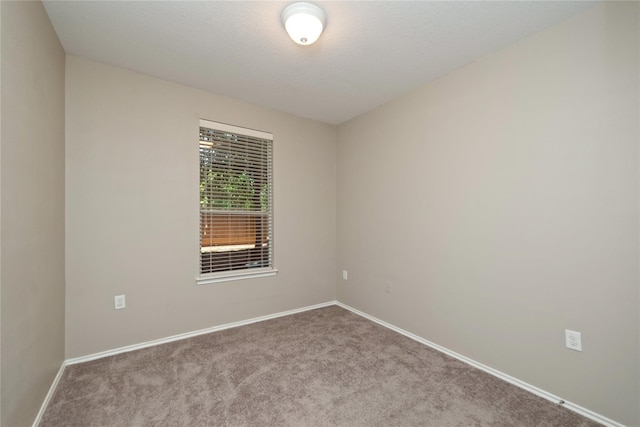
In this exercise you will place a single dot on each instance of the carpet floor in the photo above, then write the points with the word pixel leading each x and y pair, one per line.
pixel 325 367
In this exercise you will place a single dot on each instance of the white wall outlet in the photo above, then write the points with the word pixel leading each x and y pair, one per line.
pixel 119 302
pixel 345 275
pixel 573 340
pixel 387 287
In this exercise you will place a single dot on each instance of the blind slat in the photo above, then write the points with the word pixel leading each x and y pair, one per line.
pixel 236 194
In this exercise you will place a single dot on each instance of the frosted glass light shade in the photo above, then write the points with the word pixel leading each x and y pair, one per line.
pixel 304 22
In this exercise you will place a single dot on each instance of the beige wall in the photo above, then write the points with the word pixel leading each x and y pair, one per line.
pixel 501 202
pixel 32 205
pixel 132 210
pixel 507 211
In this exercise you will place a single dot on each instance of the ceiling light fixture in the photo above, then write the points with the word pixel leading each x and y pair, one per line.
pixel 304 22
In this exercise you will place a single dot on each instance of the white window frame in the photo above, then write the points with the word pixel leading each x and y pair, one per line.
pixel 247 273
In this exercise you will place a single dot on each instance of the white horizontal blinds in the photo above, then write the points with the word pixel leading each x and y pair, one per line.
pixel 236 224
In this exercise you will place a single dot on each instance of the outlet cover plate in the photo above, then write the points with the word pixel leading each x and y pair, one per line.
pixel 119 302
pixel 573 340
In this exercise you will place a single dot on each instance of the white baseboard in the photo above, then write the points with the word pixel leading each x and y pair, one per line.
pixel 49 395
pixel 185 335
pixel 528 387
pixel 128 348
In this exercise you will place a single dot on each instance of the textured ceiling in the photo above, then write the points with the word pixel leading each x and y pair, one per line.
pixel 370 52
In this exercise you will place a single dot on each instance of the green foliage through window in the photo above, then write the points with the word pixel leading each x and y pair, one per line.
pixel 233 172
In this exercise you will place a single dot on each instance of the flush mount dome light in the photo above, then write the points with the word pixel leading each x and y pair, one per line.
pixel 304 22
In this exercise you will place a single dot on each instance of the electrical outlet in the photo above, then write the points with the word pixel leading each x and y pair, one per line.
pixel 119 302
pixel 387 287
pixel 573 340
pixel 345 275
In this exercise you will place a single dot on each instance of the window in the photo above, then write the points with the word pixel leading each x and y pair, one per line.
pixel 236 203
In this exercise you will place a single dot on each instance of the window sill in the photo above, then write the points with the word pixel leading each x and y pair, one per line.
pixel 240 275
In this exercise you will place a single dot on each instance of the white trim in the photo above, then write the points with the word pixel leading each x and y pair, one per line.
pixel 49 395
pixel 235 129
pixel 235 275
pixel 185 335
pixel 523 385
pixel 508 378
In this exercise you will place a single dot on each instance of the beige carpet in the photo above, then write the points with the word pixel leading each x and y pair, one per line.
pixel 326 367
